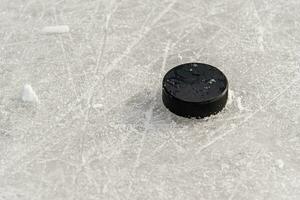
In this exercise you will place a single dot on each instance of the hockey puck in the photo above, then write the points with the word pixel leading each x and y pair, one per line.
pixel 195 90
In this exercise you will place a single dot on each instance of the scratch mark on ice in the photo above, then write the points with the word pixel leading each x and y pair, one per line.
pixel 220 137
pixel 142 33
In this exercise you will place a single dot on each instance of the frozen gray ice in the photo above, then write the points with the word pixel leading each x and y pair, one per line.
pixel 101 131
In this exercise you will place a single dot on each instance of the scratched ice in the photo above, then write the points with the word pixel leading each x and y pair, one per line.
pixel 100 130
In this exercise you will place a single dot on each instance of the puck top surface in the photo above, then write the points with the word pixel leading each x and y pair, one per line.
pixel 195 83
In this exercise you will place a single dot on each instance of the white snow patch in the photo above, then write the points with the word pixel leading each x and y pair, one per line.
pixel 28 94
pixel 279 163
pixel 56 29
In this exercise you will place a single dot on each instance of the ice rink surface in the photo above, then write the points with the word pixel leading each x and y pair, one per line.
pixel 100 130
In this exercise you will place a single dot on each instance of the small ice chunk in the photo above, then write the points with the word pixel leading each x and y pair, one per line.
pixel 239 104
pixel 56 29
pixel 279 163
pixel 230 97
pixel 28 94
pixel 211 81
pixel 105 189
pixel 180 57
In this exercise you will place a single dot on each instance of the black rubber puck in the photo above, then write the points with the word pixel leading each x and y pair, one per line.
pixel 195 90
